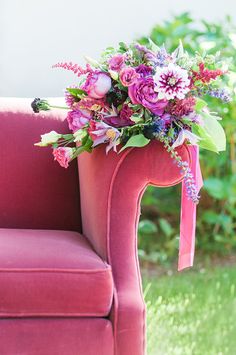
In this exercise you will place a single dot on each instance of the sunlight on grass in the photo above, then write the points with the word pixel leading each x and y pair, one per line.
pixel 192 313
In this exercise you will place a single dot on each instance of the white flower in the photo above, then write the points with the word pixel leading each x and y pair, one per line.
pixel 48 138
pixel 171 81
pixel 185 134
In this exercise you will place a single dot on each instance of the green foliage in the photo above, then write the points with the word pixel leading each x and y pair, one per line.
pixel 192 312
pixel 216 222
pixel 136 141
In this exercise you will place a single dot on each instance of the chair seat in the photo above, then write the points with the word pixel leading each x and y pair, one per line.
pixel 52 273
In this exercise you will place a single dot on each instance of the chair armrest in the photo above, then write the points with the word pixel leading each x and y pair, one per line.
pixel 111 189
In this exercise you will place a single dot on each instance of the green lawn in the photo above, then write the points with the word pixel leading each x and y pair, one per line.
pixel 192 312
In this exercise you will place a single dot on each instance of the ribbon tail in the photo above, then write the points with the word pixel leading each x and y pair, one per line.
pixel 188 215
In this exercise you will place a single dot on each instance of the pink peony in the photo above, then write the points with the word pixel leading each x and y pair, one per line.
pixel 142 92
pixel 78 119
pixel 128 76
pixel 63 155
pixel 116 62
pixel 97 84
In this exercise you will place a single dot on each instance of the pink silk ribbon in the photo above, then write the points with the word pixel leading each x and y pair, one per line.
pixel 188 215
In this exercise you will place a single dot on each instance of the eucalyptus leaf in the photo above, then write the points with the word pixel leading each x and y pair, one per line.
pixel 215 130
pixel 206 141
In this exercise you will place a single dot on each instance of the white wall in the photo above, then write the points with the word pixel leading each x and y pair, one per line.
pixel 36 34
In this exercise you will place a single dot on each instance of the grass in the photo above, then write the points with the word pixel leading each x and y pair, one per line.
pixel 192 313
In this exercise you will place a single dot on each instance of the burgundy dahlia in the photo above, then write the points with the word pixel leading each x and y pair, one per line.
pixel 181 107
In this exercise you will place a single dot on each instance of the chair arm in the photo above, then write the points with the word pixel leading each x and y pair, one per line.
pixel 111 189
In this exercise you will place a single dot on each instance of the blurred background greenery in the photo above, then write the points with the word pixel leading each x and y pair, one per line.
pixel 216 222
pixel 193 312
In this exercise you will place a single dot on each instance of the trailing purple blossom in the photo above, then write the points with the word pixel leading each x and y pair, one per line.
pixel 222 94
pixel 191 188
pixel 189 181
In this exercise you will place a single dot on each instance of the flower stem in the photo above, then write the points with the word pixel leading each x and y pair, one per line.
pixel 60 107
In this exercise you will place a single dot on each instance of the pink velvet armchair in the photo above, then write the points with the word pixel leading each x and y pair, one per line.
pixel 69 273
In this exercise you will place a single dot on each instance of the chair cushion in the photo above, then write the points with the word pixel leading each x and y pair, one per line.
pixel 52 273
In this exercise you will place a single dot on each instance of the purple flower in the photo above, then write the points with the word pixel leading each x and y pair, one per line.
pixel 154 129
pixel 144 70
pixel 128 76
pixel 194 117
pixel 167 118
pixel 162 57
pixel 97 84
pixel 149 55
pixel 119 120
pixel 221 94
pixel 191 188
pixel 185 134
pixel 100 132
pixel 142 92
pixel 78 119
pixel 116 62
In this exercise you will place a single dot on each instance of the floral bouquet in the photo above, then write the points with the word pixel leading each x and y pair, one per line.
pixel 135 94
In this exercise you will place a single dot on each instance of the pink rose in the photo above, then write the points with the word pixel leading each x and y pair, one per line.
pixel 63 155
pixel 78 119
pixel 97 84
pixel 142 92
pixel 116 62
pixel 128 76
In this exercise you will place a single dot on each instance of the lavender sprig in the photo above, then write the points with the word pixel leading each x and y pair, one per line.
pixel 189 180
pixel 222 94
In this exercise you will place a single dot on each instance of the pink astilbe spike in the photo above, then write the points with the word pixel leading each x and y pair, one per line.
pixel 78 70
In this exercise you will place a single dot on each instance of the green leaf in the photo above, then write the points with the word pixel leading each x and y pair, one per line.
pixel 206 141
pixel 216 188
pixel 76 92
pixel 79 135
pixel 153 45
pixel 136 141
pixel 165 227
pixel 199 105
pixel 147 227
pixel 215 130
pixel 86 145
pixel 136 118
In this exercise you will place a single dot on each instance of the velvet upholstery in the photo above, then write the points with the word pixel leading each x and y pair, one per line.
pixel 117 183
pixel 36 193
pixel 56 336
pixel 52 273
